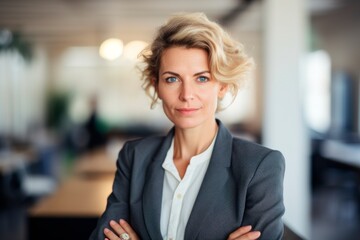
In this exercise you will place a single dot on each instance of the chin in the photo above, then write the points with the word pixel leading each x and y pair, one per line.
pixel 188 123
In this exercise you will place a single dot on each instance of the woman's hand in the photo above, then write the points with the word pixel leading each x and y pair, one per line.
pixel 244 233
pixel 119 228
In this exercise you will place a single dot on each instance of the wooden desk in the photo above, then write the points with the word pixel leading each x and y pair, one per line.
pixel 95 163
pixel 73 210
pixel 77 197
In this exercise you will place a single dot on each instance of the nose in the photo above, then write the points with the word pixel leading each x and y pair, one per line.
pixel 187 92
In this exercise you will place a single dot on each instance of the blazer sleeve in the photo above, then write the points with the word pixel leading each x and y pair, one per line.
pixel 118 201
pixel 264 202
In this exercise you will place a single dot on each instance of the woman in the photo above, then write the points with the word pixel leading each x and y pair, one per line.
pixel 198 182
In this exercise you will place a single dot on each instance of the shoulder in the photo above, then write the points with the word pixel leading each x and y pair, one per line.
pixel 137 154
pixel 146 144
pixel 248 148
pixel 250 155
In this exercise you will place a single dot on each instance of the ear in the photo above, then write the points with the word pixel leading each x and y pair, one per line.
pixel 153 82
pixel 223 90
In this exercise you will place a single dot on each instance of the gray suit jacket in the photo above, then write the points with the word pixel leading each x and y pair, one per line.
pixel 243 185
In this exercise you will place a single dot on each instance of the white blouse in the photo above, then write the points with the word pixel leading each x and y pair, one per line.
pixel 179 195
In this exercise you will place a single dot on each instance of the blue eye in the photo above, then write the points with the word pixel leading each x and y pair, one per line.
pixel 203 79
pixel 171 79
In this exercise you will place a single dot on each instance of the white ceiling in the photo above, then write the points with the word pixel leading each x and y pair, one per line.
pixel 89 22
pixel 84 22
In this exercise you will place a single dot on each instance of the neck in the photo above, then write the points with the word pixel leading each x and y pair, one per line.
pixel 191 142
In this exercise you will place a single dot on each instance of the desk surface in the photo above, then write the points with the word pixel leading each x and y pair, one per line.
pixel 85 193
pixel 95 163
pixel 77 197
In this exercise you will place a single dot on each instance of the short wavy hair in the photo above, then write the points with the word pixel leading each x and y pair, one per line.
pixel 228 62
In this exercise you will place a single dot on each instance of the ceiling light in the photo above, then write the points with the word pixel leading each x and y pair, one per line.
pixel 133 48
pixel 111 48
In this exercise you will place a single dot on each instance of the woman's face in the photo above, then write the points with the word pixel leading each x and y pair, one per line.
pixel 188 92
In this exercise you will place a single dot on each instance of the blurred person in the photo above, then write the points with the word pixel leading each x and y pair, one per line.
pixel 198 182
pixel 93 127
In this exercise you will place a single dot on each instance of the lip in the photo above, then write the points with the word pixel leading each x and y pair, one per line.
pixel 187 110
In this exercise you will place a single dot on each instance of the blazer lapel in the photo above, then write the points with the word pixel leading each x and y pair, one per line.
pixel 216 176
pixel 152 196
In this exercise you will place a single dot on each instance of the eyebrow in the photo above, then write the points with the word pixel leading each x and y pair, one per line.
pixel 178 75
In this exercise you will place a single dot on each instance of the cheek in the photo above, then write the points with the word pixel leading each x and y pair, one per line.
pixel 165 96
pixel 159 94
pixel 160 91
pixel 211 98
pixel 215 93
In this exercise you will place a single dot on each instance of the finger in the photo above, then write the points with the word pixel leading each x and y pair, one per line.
pixel 127 228
pixel 117 228
pixel 250 236
pixel 110 234
pixel 239 232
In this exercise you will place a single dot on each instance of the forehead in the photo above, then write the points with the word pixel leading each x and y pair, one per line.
pixel 182 58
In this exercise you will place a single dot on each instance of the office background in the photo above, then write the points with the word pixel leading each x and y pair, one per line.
pixel 57 92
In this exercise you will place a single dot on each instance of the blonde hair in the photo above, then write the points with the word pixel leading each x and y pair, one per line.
pixel 227 60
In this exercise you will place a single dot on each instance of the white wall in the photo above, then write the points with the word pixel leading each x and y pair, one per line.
pixel 285 29
pixel 22 92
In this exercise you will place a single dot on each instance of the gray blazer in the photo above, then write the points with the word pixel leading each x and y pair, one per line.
pixel 243 185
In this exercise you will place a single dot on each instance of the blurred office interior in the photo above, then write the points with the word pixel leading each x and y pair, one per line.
pixel 66 107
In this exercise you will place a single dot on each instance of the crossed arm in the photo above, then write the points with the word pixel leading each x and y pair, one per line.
pixel 118 228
